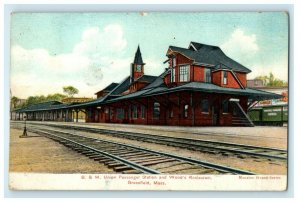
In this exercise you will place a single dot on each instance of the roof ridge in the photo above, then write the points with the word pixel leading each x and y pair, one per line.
pixel 180 48
pixel 117 86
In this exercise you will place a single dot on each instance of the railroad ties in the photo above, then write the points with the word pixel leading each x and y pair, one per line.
pixel 126 158
pixel 213 147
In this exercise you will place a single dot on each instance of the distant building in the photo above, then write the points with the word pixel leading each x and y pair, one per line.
pixel 255 83
pixel 15 105
pixel 280 90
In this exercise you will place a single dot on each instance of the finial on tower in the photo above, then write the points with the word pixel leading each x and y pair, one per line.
pixel 138 57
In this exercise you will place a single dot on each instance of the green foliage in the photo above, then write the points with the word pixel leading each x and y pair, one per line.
pixel 14 100
pixel 55 97
pixel 70 90
pixel 41 98
pixel 272 81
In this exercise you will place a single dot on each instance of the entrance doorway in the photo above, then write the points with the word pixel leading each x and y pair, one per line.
pixel 215 113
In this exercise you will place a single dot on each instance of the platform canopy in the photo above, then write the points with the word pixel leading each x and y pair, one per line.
pixel 252 94
pixel 157 87
pixel 211 88
pixel 44 106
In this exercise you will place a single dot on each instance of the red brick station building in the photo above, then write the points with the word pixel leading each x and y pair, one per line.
pixel 201 86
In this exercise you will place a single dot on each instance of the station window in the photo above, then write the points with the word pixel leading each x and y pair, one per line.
pixel 89 114
pixel 225 75
pixel 225 106
pixel 120 113
pixel 186 111
pixel 173 74
pixel 129 113
pixel 207 72
pixel 111 113
pixel 142 111
pixel 205 106
pixel 171 113
pixel 156 110
pixel 96 115
pixel 135 112
pixel 184 73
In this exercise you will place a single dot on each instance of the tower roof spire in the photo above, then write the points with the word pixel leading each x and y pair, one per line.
pixel 138 57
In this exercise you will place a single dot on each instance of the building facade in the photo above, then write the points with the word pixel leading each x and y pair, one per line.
pixel 200 86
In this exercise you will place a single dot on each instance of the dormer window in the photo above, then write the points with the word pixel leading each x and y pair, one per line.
pixel 225 75
pixel 207 75
pixel 184 72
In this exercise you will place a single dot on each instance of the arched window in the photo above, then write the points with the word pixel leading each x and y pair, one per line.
pixel 207 75
pixel 186 111
pixel 171 112
pixel 156 110
pixel 142 111
pixel 135 112
pixel 111 113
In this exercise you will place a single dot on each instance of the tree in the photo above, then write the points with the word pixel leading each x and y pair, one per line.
pixel 271 80
pixel 70 90
pixel 35 99
pixel 55 97
pixel 14 101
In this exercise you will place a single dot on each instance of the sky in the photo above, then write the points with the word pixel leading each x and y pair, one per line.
pixel 91 50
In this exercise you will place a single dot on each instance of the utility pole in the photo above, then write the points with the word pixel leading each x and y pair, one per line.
pixel 25 129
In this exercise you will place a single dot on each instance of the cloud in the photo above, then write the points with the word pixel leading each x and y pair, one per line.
pixel 153 66
pixel 240 45
pixel 92 63
pixel 96 42
pixel 279 68
pixel 243 48
pixel 25 60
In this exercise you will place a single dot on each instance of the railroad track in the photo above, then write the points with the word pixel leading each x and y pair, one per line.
pixel 206 146
pixel 130 159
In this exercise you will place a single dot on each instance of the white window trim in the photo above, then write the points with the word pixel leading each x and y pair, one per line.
pixel 187 75
pixel 225 79
pixel 173 75
pixel 173 62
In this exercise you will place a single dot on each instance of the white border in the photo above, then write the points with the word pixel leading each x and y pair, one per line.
pixel 264 7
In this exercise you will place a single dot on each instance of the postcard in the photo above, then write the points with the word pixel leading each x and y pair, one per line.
pixel 193 101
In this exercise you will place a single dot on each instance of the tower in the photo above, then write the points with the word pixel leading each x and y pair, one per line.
pixel 137 67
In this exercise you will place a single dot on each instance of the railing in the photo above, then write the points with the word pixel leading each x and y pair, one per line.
pixel 239 112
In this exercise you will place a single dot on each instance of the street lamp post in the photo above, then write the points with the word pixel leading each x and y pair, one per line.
pixel 25 129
